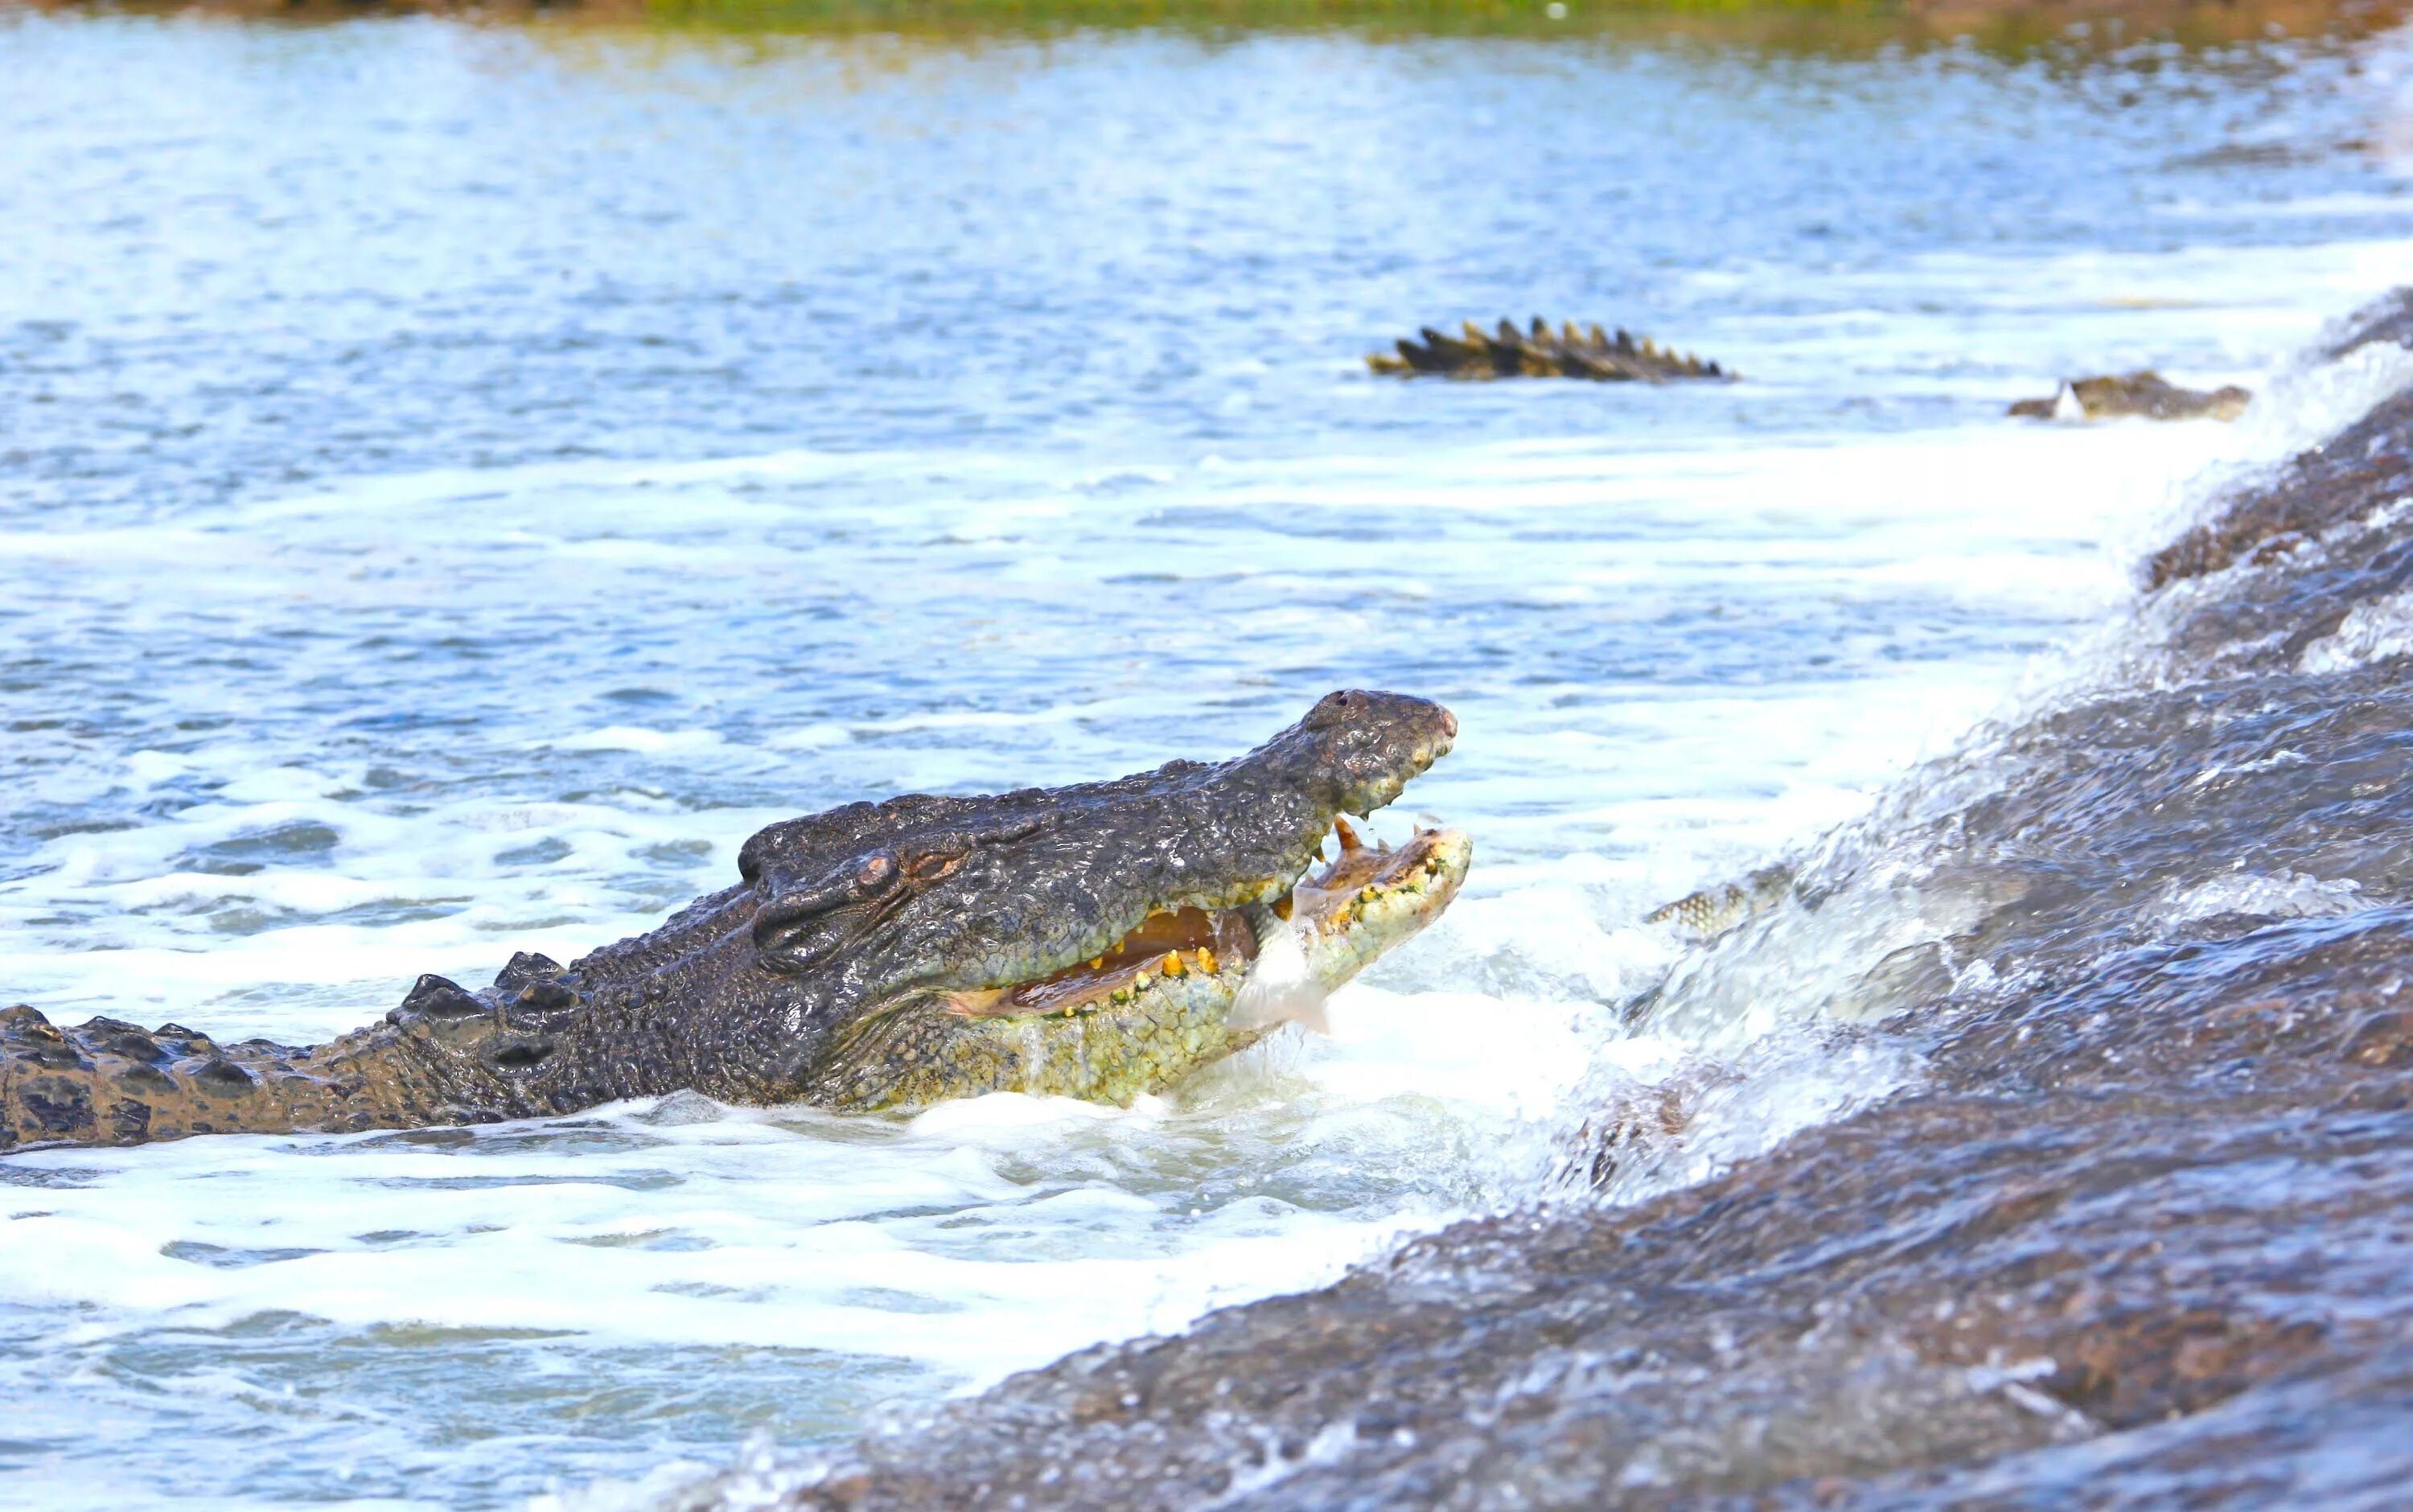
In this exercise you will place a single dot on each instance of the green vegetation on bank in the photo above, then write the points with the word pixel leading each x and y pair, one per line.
pixel 2182 20
pixel 1806 25
pixel 1434 17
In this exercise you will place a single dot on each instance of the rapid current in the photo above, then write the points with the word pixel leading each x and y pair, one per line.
pixel 461 480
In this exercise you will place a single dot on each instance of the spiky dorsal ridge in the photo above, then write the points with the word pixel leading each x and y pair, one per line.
pixel 1537 351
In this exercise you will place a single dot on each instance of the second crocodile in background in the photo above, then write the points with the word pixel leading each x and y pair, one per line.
pixel 1542 353
pixel 1099 941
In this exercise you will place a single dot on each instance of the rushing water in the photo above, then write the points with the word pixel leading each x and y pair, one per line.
pixel 461 481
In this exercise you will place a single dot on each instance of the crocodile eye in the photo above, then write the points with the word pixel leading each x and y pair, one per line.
pixel 797 926
pixel 1335 709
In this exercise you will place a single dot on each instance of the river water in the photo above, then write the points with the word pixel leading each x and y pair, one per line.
pixel 462 480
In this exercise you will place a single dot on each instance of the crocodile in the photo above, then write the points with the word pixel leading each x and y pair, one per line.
pixel 1099 941
pixel 1542 353
pixel 2143 392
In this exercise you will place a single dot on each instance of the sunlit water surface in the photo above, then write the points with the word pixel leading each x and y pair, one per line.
pixel 460 482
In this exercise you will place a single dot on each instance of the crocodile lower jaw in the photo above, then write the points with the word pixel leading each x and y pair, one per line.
pixel 1346 913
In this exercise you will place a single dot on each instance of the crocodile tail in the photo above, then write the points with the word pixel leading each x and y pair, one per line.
pixel 1421 358
pixel 1458 358
pixel 1512 356
pixel 1547 354
pixel 1481 359
pixel 1600 367
pixel 1538 350
pixel 110 1082
pixel 1488 356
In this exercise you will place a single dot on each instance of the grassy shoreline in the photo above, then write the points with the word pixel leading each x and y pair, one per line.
pixel 1841 24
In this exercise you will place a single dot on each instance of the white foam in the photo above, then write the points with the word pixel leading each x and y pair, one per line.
pixel 2284 896
pixel 639 739
pixel 2374 630
pixel 1733 1106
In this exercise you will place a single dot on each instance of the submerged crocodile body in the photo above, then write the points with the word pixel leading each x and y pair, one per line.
pixel 1542 353
pixel 1099 941
pixel 2143 393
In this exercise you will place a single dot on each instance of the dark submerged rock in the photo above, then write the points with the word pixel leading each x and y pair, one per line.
pixel 2136 1235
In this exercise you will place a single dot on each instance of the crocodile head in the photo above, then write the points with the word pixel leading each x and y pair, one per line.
pixel 1096 941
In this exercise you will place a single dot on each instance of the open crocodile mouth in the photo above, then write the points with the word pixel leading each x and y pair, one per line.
pixel 1363 889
